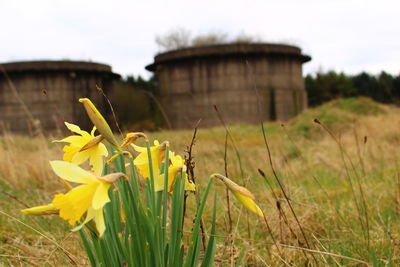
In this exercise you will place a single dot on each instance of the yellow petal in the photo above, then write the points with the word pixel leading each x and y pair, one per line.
pixel 248 203
pixel 99 121
pixel 74 128
pixel 71 172
pixel 176 160
pixel 159 182
pixel 241 193
pixel 99 220
pixel 73 139
pixel 189 186
pixel 102 150
pixel 96 161
pixel 100 198
pixel 76 202
pixel 80 157
pixel 40 210
pixel 69 152
pixel 89 216
pixel 93 131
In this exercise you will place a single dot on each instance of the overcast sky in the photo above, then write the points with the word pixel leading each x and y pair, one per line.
pixel 344 35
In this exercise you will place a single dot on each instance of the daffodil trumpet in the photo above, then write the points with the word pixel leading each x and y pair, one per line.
pixel 177 167
pixel 89 198
pixel 84 146
pixel 149 160
pixel 242 194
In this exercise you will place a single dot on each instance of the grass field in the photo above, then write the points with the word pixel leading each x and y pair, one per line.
pixel 340 177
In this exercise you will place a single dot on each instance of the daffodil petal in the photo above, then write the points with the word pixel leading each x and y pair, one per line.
pixel 72 172
pixel 159 183
pixel 99 220
pixel 80 157
pixel 75 128
pixel 69 152
pixel 248 203
pixel 93 130
pixel 89 215
pixel 74 139
pixel 141 159
pixel 102 150
pixel 76 202
pixel 97 164
pixel 100 197
pixel 189 186
pixel 139 148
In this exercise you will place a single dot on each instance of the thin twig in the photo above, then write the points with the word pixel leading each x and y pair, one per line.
pixel 226 188
pixel 221 119
pixel 190 165
pixel 111 107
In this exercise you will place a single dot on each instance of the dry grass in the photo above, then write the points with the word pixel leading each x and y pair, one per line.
pixel 345 194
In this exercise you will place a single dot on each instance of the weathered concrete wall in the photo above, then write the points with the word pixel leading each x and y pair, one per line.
pixel 50 90
pixel 191 81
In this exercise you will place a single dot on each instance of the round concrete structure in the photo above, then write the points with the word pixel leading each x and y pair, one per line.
pixel 49 91
pixel 234 77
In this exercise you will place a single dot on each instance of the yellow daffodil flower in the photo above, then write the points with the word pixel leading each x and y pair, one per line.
pixel 99 121
pixel 157 156
pixel 177 165
pixel 243 195
pixel 84 146
pixel 89 197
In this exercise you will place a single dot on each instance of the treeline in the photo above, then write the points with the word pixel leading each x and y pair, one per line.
pixel 323 87
pixel 135 106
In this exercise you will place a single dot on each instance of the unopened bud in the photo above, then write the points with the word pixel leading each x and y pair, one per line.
pixel 41 210
pixel 111 178
pixel 99 121
pixel 234 186
pixel 131 138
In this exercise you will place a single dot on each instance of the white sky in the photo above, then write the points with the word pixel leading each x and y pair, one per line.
pixel 343 35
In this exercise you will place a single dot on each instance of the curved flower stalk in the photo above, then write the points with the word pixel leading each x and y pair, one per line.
pixel 241 193
pixel 84 146
pixel 88 198
pixel 100 123
pixel 177 165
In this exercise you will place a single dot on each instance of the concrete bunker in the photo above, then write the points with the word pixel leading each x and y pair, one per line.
pixel 235 78
pixel 49 91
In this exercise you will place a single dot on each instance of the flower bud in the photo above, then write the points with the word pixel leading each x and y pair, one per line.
pixel 99 121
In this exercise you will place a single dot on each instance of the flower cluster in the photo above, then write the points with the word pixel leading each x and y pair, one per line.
pixel 86 201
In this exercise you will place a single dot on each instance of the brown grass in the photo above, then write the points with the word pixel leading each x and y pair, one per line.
pixel 323 188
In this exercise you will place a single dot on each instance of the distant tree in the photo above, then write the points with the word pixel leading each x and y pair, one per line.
pixel 323 87
pixel 174 39
pixel 141 83
pixel 386 91
pixel 366 84
pixel 327 86
pixel 210 39
pixel 180 38
pixel 247 39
